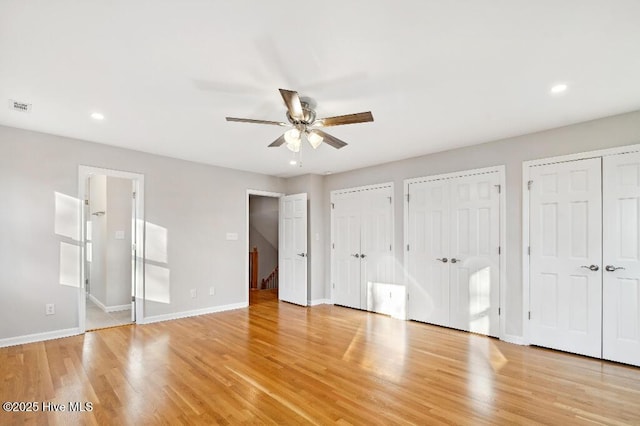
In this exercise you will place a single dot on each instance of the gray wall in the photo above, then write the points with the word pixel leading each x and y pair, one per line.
pixel 196 205
pixel 598 134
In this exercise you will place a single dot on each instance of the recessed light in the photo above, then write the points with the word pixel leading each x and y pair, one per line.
pixel 559 88
pixel 97 116
pixel 293 162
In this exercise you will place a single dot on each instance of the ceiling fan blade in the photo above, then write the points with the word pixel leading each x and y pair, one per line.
pixel 292 101
pixel 251 120
pixel 331 140
pixel 360 117
pixel 278 142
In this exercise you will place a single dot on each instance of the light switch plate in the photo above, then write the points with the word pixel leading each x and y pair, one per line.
pixel 119 235
pixel 232 236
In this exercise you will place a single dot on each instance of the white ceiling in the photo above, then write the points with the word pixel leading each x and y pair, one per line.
pixel 436 74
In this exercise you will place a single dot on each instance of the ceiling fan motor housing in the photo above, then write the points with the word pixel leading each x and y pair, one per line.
pixel 308 115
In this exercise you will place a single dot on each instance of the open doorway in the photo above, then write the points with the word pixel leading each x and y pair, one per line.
pixel 112 228
pixel 263 214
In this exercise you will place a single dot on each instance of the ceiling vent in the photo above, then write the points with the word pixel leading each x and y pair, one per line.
pixel 19 106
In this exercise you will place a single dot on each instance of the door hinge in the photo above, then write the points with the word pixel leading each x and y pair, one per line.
pixel 390 247
pixel 86 202
pixel 499 311
pixel 334 286
pixel 407 198
pixel 407 247
pixel 134 195
pixel 529 185
pixel 333 206
pixel 499 188
pixel 133 298
pixel 529 250
pixel 389 200
pixel 86 281
pixel 333 245
pixel 529 314
pixel 499 250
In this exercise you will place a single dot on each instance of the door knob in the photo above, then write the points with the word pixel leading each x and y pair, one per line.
pixel 355 255
pixel 454 260
pixel 302 254
pixel 443 260
pixel 593 268
pixel 611 268
pixel 362 256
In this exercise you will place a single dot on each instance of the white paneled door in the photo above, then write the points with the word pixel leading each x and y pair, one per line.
pixel 475 259
pixel 293 249
pixel 346 246
pixel 453 252
pixel 621 258
pixel 566 252
pixel 362 246
pixel 428 239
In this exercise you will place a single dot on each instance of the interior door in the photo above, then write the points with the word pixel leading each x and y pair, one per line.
pixel 621 260
pixel 134 249
pixel 293 249
pixel 346 240
pixel 566 253
pixel 475 261
pixel 428 265
pixel 376 258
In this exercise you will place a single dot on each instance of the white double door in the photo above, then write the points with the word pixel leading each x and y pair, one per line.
pixel 585 257
pixel 362 244
pixel 453 255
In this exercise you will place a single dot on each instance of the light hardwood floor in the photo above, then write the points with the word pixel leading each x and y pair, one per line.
pixel 276 363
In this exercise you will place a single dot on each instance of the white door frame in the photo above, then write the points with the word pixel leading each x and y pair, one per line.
pixel 246 266
pixel 503 228
pixel 359 189
pixel 526 166
pixel 84 172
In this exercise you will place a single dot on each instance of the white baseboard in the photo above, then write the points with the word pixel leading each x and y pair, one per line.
pixel 196 312
pixel 319 302
pixel 118 308
pixel 39 337
pixel 105 308
pixel 516 340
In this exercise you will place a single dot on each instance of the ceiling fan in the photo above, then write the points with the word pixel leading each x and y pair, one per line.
pixel 303 123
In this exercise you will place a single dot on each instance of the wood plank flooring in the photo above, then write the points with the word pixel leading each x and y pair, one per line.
pixel 276 363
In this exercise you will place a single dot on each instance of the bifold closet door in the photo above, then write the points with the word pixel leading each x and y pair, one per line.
pixel 566 253
pixel 621 258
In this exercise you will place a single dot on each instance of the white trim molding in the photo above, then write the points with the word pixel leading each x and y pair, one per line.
pixel 193 313
pixel 39 337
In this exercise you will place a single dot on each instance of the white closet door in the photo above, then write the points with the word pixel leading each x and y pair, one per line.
pixel 565 237
pixel 428 266
pixel 346 238
pixel 621 246
pixel 293 249
pixel 475 262
pixel 376 258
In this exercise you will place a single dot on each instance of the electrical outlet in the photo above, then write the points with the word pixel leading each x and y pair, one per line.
pixel 50 309
pixel 194 293
pixel 212 291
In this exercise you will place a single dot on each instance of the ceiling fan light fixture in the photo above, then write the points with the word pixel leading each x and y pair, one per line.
pixel 314 139
pixel 292 137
